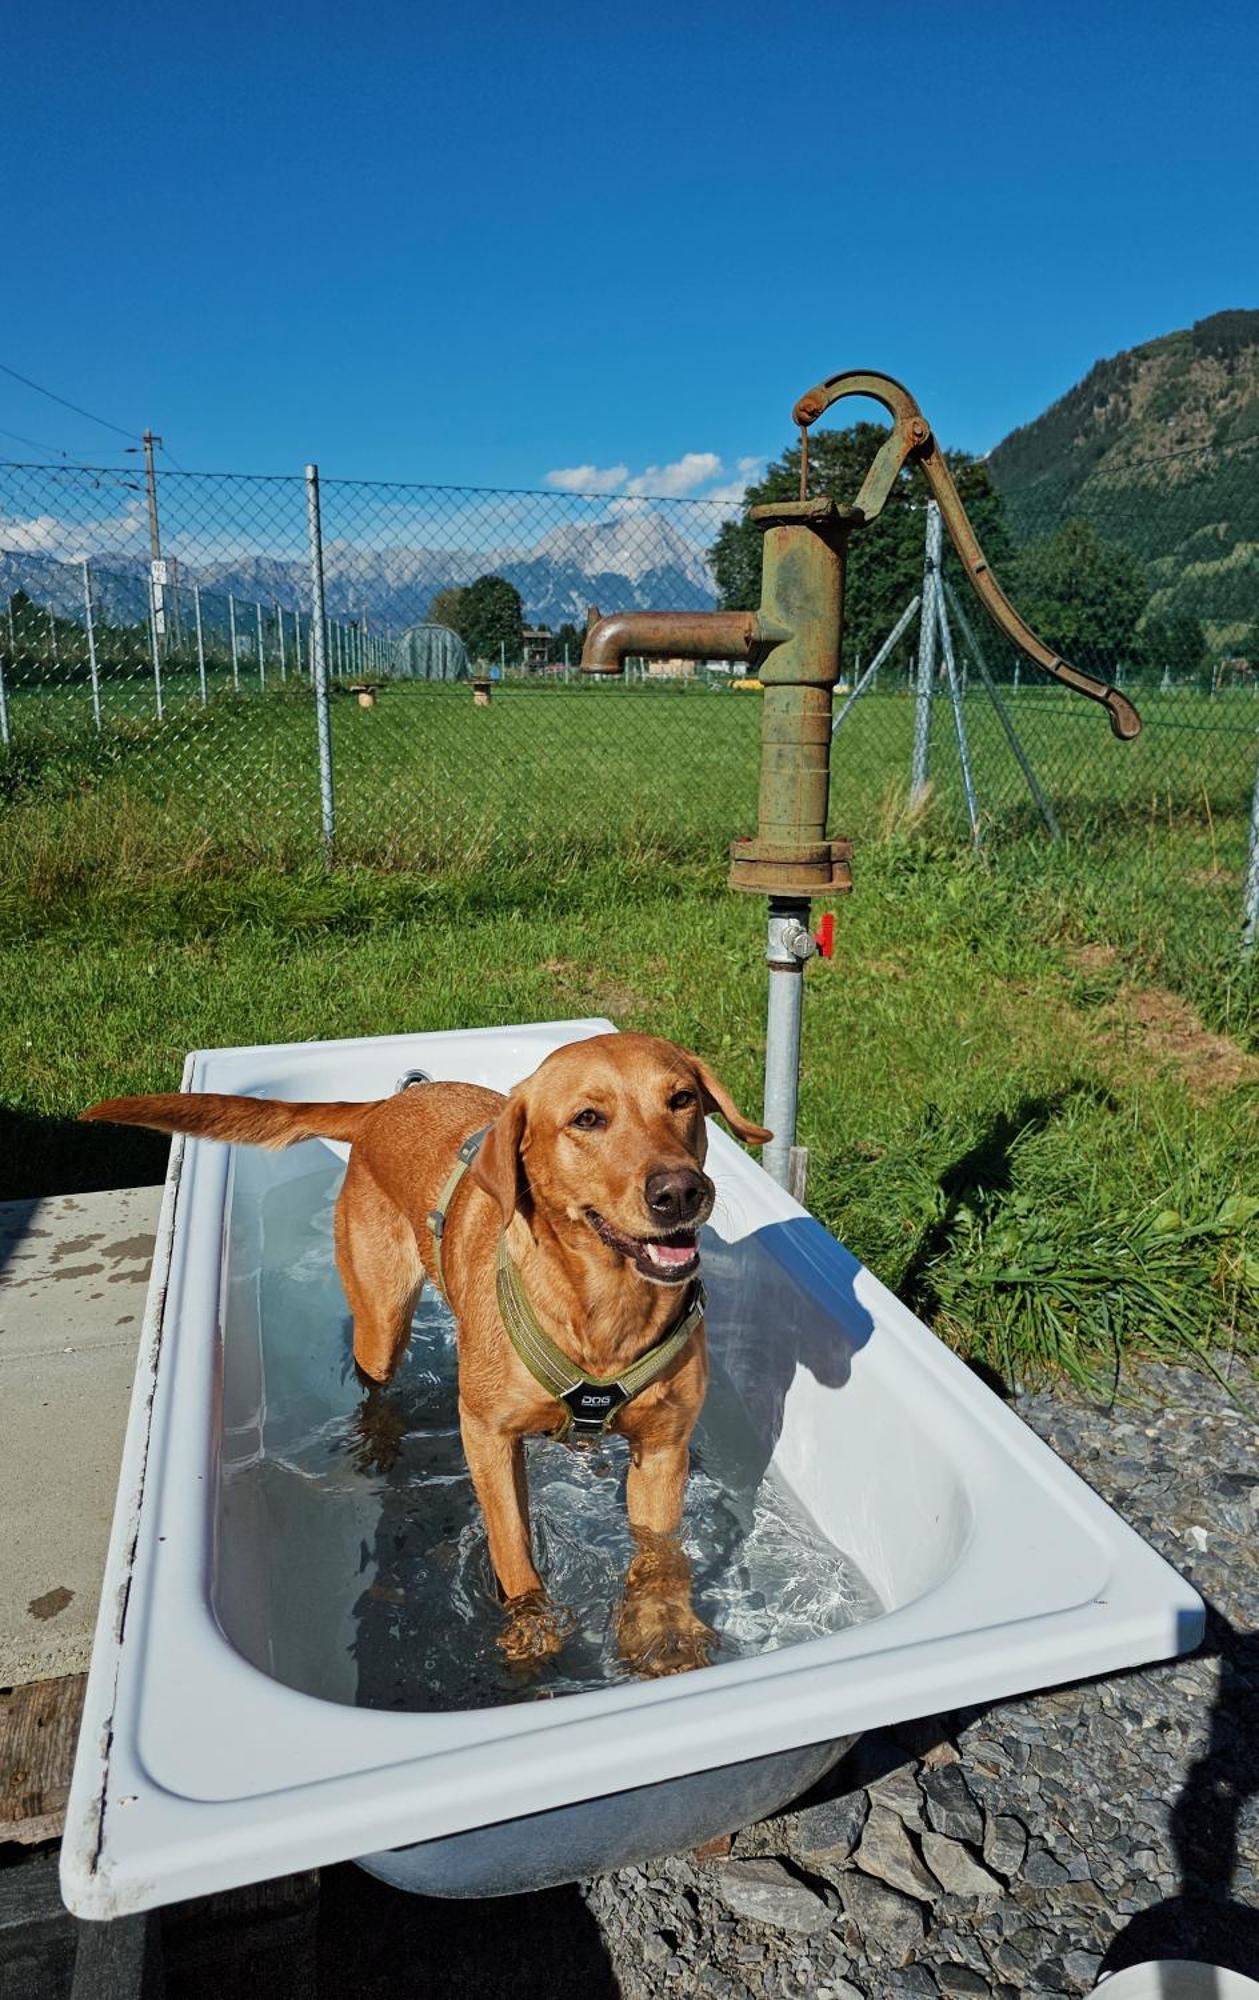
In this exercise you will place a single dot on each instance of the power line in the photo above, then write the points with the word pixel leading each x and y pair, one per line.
pixel 58 451
pixel 65 404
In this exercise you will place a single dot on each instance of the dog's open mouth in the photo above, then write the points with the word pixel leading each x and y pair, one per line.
pixel 668 1260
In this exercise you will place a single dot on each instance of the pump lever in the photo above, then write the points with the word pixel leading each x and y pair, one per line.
pixel 911 439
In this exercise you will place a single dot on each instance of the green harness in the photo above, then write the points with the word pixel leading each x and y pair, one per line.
pixel 590 1401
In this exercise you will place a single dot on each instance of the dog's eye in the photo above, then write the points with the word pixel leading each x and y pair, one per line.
pixel 588 1120
pixel 682 1100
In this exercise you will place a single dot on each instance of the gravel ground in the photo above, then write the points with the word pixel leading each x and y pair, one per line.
pixel 1030 1846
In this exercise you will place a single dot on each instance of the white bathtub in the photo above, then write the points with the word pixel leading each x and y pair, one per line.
pixel 204 1760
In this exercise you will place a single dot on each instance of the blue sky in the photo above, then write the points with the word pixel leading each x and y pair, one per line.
pixel 484 244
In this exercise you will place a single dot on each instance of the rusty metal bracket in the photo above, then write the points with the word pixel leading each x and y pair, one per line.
pixel 911 439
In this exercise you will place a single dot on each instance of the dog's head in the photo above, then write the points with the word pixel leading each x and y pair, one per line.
pixel 609 1133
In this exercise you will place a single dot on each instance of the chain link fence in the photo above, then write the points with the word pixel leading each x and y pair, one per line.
pixel 161 673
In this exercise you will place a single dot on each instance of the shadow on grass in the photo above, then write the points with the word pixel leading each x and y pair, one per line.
pixel 984 1171
pixel 42 1156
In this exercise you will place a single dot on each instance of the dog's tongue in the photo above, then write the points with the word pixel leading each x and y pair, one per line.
pixel 670 1255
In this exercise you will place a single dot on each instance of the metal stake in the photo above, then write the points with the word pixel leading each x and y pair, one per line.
pixel 262 658
pixel 231 626
pixel 196 605
pixel 896 632
pixel 1043 806
pixel 91 645
pixel 959 719
pixel 319 661
pixel 279 626
pixel 4 699
pixel 154 645
pixel 1250 915
pixel 928 629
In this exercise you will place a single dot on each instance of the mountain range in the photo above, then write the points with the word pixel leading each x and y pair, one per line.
pixel 1159 448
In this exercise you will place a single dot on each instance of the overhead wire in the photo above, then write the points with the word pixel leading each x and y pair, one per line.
pixel 65 402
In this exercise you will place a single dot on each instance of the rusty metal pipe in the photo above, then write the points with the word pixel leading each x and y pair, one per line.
pixel 663 635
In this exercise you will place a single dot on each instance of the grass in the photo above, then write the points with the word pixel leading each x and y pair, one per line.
pixel 1027 1093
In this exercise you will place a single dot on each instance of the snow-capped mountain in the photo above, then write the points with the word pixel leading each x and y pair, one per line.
pixel 633 559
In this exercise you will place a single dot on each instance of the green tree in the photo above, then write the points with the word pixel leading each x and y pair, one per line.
pixel 491 616
pixel 446 607
pixel 1082 596
pixel 1173 642
pixel 572 636
pixel 885 559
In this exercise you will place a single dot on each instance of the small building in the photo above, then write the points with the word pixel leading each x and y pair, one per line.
pixel 671 670
pixel 429 652
pixel 535 645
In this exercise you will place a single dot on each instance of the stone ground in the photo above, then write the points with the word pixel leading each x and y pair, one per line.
pixel 1019 1849
pixel 1028 1847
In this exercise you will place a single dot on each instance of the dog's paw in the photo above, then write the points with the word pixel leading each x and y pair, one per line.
pixel 658 1636
pixel 534 1628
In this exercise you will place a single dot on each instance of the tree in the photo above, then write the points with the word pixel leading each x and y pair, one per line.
pixel 445 608
pixel 571 636
pixel 491 617
pixel 1082 596
pixel 1173 642
pixel 885 559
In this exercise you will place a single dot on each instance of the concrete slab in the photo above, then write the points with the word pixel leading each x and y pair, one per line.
pixel 73 1275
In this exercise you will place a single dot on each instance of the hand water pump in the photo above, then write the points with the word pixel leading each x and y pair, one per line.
pixel 793 643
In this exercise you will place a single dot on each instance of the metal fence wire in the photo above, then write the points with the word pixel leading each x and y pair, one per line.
pixel 168 681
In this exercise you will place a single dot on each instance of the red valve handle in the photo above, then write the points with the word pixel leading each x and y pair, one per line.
pixel 824 937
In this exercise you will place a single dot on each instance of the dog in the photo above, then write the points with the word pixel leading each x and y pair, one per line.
pixel 582 1194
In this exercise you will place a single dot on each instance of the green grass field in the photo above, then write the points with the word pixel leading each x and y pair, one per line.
pixel 1028 1094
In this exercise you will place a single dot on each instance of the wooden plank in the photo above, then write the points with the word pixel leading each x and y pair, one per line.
pixel 39 1727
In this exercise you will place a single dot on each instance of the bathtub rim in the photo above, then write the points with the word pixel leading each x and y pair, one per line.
pixel 153 1845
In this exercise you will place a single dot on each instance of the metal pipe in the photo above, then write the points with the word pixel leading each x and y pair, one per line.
pixel 959 719
pixel 231 624
pixel 4 699
pixel 1250 914
pixel 788 930
pixel 196 605
pixel 279 626
pixel 91 645
pixel 262 660
pixel 873 668
pixel 319 661
pixel 927 632
pixel 1011 735
pixel 154 646
pixel 684 635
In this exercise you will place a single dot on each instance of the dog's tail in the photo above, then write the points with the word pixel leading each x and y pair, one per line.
pixel 247 1121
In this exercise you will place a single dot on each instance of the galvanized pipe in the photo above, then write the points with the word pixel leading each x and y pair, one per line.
pixel 93 668
pixel 959 718
pixel 927 632
pixel 1250 917
pixel 196 606
pixel 787 946
pixel 319 661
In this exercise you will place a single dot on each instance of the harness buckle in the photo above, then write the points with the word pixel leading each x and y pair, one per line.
pixel 591 1409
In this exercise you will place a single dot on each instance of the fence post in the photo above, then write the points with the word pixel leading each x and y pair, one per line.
pixel 196 605
pixel 154 646
pixel 297 641
pixel 928 633
pixel 1250 914
pixel 319 661
pixel 4 699
pixel 279 626
pixel 91 645
pixel 262 662
pixel 231 626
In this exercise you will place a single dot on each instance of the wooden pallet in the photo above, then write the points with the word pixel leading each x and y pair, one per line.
pixel 39 1726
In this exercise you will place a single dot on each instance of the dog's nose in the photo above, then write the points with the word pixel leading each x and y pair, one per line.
pixel 676 1195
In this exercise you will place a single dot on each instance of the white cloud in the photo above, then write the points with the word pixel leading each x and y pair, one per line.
pixel 669 482
pixel 588 478
pixel 734 489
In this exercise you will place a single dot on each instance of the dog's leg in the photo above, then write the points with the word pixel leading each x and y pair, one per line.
pixel 380 1269
pixel 535 1627
pixel 658 1631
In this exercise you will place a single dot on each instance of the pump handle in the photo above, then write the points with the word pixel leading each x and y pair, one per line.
pixel 911 439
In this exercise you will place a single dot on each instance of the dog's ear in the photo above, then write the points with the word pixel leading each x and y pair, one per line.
pixel 718 1098
pixel 497 1167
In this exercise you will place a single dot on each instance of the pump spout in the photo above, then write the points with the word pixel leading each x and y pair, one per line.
pixel 673 635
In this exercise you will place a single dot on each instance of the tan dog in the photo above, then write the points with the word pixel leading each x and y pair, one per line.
pixel 592 1173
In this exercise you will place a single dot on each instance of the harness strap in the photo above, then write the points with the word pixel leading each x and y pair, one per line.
pixel 437 1216
pixel 590 1401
